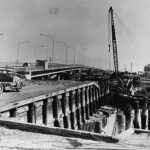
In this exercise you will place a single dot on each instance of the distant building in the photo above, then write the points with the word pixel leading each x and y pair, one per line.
pixel 147 69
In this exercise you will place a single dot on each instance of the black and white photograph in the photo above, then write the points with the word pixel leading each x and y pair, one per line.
pixel 74 74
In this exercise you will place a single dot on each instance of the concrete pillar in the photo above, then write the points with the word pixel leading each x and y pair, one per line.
pixel 38 112
pixel 57 111
pixel 87 102
pixel 49 111
pixel 98 127
pixel 45 103
pixel 5 114
pixel 72 109
pixel 19 113
pixel 90 101
pixel 93 99
pixel 128 115
pixel 96 98
pixel 82 96
pixel 144 115
pixel 30 114
pixel 99 96
pixel 137 113
pixel 58 77
pixel 65 107
pixel 121 123
pixel 13 112
pixel 78 104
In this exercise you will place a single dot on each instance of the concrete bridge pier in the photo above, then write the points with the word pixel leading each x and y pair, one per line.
pixel 44 111
pixel 90 101
pixel 87 103
pixel 128 116
pixel 49 112
pixel 82 96
pixel 136 114
pixel 78 110
pixel 97 98
pixel 57 110
pixel 65 107
pixel 144 115
pixel 38 112
pixel 94 99
pixel 72 109
pixel 30 114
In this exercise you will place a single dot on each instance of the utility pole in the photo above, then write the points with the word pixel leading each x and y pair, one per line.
pixel 19 44
pixel 53 45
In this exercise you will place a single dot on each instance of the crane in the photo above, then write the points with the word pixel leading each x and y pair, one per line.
pixel 120 82
pixel 113 36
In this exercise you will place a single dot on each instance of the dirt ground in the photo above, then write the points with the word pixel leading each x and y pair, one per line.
pixel 141 140
pixel 20 140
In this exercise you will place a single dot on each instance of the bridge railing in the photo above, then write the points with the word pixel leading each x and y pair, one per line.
pixel 68 108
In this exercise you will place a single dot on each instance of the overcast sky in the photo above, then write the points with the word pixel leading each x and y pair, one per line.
pixel 82 24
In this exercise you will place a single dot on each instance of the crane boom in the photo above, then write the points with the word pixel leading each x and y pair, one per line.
pixel 114 43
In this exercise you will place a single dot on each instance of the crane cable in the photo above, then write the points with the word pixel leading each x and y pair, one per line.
pixel 131 36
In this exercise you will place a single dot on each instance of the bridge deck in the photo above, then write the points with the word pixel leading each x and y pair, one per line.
pixel 35 89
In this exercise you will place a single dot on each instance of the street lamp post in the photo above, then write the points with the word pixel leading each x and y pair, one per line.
pixel 84 56
pixel 41 46
pixel 53 48
pixel 79 57
pixel 66 50
pixel 74 57
pixel 19 44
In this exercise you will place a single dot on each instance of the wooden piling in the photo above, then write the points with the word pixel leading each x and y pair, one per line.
pixel 87 102
pixel 72 109
pixel 21 113
pixel 13 112
pixel 96 98
pixel 50 116
pixel 78 116
pixel 144 116
pixel 65 109
pixel 93 99
pixel 44 111
pixel 99 96
pixel 55 111
pixel 82 96
pixel 128 116
pixel 136 118
pixel 38 112
pixel 31 114
pixel 121 123
pixel 148 115
pixel 90 101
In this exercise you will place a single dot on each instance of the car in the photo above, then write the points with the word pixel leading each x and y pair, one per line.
pixel 9 78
